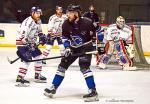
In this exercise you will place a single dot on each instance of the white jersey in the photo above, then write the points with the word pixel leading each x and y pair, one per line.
pixel 28 31
pixel 55 23
pixel 114 33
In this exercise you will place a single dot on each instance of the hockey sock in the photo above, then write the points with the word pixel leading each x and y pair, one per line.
pixel 47 51
pixel 89 79
pixel 38 69
pixel 58 78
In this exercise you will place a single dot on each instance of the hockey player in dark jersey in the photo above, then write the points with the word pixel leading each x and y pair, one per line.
pixel 92 14
pixel 78 33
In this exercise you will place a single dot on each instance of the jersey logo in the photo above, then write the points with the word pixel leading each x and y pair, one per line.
pixel 77 40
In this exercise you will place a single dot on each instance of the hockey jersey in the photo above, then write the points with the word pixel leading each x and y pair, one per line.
pixel 55 23
pixel 114 33
pixel 28 31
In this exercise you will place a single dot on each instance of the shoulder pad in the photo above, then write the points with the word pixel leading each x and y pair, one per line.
pixel 128 27
pixel 112 25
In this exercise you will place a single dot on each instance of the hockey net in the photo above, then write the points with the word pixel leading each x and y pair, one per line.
pixel 139 58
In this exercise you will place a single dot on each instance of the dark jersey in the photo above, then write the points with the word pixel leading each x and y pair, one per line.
pixel 92 15
pixel 78 33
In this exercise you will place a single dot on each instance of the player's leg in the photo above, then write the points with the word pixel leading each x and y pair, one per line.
pixel 49 45
pixel 59 76
pixel 84 63
pixel 37 54
pixel 22 72
pixel 123 57
pixel 24 55
pixel 104 59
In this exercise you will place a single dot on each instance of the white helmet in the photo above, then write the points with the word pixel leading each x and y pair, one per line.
pixel 120 21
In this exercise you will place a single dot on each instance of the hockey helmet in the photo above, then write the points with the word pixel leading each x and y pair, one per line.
pixel 36 9
pixel 76 8
pixel 59 8
pixel 120 21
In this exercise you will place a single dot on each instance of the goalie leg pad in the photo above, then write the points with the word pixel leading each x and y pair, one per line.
pixel 121 53
pixel 105 58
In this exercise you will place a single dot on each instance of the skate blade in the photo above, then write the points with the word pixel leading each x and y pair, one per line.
pixel 48 95
pixel 39 81
pixel 91 99
pixel 22 85
pixel 44 65
pixel 98 67
pixel 130 69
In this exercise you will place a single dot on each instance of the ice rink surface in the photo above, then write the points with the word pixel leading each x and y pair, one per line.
pixel 113 85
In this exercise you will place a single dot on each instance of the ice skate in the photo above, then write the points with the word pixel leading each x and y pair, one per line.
pixel 91 96
pixel 21 82
pixel 49 92
pixel 129 68
pixel 101 66
pixel 39 78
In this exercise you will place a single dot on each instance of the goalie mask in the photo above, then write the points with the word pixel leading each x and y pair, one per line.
pixel 120 21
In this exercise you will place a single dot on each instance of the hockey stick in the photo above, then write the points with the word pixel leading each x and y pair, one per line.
pixel 78 54
pixel 12 61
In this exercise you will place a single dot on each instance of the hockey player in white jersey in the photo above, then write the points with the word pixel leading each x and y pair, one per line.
pixel 55 31
pixel 117 35
pixel 26 42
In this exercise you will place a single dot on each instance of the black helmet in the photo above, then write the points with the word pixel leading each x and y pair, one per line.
pixel 74 8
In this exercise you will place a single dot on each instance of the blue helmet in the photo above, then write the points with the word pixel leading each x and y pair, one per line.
pixel 36 9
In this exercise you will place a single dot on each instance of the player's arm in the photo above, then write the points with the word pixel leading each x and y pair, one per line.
pixel 22 36
pixel 109 36
pixel 96 18
pixel 51 24
pixel 42 37
pixel 65 35
pixel 129 32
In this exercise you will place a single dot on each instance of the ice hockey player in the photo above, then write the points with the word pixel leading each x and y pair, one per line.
pixel 117 35
pixel 55 31
pixel 78 33
pixel 92 15
pixel 26 42
pixel 97 44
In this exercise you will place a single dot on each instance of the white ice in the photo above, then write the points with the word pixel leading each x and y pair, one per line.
pixel 113 85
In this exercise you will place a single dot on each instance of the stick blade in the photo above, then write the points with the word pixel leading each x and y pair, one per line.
pixel 9 60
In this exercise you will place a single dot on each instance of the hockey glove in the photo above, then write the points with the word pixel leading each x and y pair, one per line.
pixel 42 39
pixel 101 48
pixel 48 39
pixel 67 52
